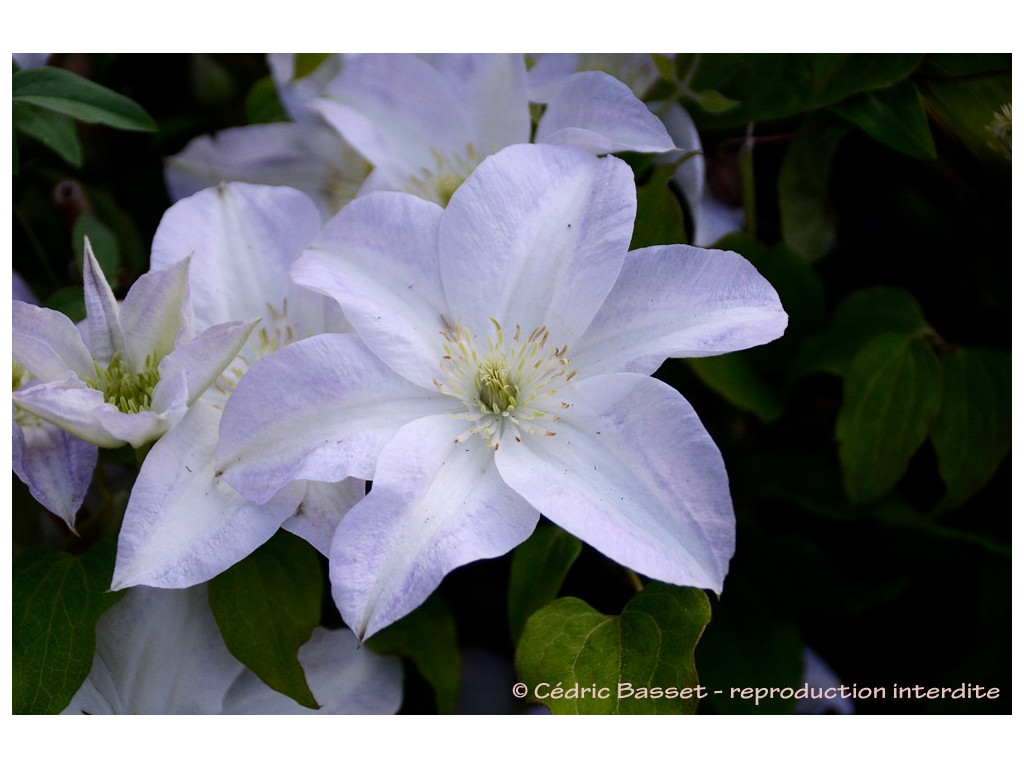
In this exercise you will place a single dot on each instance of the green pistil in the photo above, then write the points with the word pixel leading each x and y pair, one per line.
pixel 496 392
pixel 123 387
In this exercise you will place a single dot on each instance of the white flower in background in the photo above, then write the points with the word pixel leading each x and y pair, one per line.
pixel 160 652
pixel 143 367
pixel 423 123
pixel 501 371
pixel 184 525
pixel 636 70
pixel 55 465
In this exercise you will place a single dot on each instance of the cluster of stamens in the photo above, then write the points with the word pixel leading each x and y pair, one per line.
pixel 440 182
pixel 511 388
pixel 272 333
pixel 130 391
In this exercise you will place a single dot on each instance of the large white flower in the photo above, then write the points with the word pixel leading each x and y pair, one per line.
pixel 423 122
pixel 160 652
pixel 501 370
pixel 183 524
pixel 143 367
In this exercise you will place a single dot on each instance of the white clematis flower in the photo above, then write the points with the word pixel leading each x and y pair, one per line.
pixel 160 652
pixel 143 367
pixel 184 524
pixel 56 466
pixel 502 370
pixel 423 122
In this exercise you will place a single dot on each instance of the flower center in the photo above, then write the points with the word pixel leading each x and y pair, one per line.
pixel 439 183
pixel 130 391
pixel 272 333
pixel 510 387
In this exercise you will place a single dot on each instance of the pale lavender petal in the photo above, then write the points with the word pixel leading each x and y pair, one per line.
pixel 144 427
pixel 632 472
pixel 550 69
pixel 296 94
pixel 155 313
pixel 492 86
pixel 56 466
pixel 378 259
pixel 242 239
pixel 536 236
pixel 319 409
pixel 158 651
pixel 71 405
pixel 203 359
pixel 184 525
pixel 595 111
pixel 689 174
pixel 396 110
pixel 435 505
pixel 103 316
pixel 321 509
pixel 47 344
pixel 344 677
pixel 310 157
pixel 679 301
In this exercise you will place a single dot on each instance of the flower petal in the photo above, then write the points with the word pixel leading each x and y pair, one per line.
pixel 103 316
pixel 633 473
pixel 396 109
pixel 345 679
pixel 158 651
pixel 310 157
pixel 321 509
pixel 203 358
pixel 536 236
pixel 492 86
pixel 679 301
pixel 56 466
pixel 155 311
pixel 319 409
pixel 48 344
pixel 595 111
pixel 184 525
pixel 435 505
pixel 71 405
pixel 378 259
pixel 242 239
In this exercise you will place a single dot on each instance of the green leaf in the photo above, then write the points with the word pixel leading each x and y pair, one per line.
pixel 54 131
pixel 860 317
pixel 735 378
pixel 427 637
pixel 68 94
pixel 70 300
pixel 805 204
pixel 266 607
pixel 659 216
pixel 712 101
pixel 262 104
pixel 539 566
pixel 57 600
pixel 638 663
pixel 967 106
pixel 775 86
pixel 899 513
pixel 104 242
pixel 971 434
pixel 306 63
pixel 894 116
pixel 891 394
